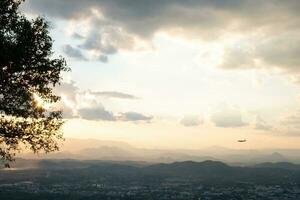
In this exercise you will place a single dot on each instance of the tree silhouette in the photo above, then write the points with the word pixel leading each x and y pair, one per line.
pixel 27 71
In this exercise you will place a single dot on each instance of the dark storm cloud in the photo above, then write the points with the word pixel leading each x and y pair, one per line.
pixel 66 9
pixel 124 20
pixel 145 17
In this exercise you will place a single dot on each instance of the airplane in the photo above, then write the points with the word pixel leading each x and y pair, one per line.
pixel 244 140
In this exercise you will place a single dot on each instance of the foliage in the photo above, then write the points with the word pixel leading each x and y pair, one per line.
pixel 27 70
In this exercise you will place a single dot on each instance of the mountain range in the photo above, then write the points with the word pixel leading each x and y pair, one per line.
pixel 91 149
pixel 207 172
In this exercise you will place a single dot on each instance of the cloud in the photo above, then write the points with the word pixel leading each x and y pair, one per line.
pixel 77 36
pixel 261 124
pixel 228 118
pixel 295 79
pixel 289 125
pixel 292 121
pixel 114 94
pixel 106 39
pixel 269 51
pixel 73 52
pixel 116 24
pixel 281 51
pixel 134 116
pixel 103 58
pixel 67 111
pixel 236 57
pixel 191 120
pixel 96 113
pixel 83 104
pixel 144 17
pixel 67 89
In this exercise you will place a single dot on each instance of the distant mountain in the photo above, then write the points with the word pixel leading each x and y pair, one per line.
pixel 92 149
pixel 108 153
pixel 75 145
pixel 277 157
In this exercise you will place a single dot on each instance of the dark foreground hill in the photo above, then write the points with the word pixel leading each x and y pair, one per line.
pixel 72 179
pixel 207 172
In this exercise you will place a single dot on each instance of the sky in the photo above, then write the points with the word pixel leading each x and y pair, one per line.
pixel 178 74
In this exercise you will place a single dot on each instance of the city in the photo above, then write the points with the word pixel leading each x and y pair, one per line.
pixel 104 180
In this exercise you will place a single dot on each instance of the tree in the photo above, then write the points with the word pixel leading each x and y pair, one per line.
pixel 27 71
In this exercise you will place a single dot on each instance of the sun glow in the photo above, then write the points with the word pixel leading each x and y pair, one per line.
pixel 41 103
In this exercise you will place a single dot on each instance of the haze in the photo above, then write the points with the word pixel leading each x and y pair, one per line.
pixel 179 74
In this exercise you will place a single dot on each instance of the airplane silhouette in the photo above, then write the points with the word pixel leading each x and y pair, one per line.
pixel 242 140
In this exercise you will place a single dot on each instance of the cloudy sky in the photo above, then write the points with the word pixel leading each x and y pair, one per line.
pixel 179 74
